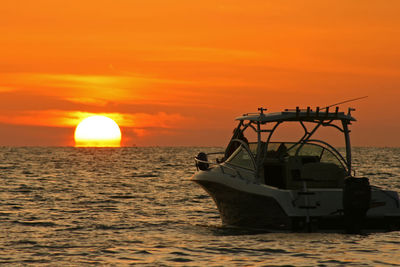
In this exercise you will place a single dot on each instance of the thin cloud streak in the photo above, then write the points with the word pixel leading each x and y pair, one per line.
pixel 60 118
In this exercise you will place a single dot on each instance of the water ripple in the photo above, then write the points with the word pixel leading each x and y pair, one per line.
pixel 135 206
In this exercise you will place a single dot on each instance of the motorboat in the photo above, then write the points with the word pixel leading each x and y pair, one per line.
pixel 304 184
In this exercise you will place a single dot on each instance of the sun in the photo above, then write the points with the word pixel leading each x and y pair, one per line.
pixel 97 131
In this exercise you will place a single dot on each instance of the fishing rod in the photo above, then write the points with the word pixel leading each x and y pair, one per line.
pixel 351 100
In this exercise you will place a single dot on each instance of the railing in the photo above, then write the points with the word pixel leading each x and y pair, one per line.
pixel 225 166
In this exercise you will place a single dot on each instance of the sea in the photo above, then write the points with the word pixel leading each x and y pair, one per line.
pixel 66 206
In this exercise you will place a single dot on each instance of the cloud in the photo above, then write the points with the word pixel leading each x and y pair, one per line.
pixel 95 89
pixel 60 118
pixel 6 89
pixel 99 90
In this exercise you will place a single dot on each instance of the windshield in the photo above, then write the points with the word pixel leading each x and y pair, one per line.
pixel 241 158
pixel 314 152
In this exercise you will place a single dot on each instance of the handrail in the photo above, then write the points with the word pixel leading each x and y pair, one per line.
pixel 219 165
pixel 209 162
pixel 245 146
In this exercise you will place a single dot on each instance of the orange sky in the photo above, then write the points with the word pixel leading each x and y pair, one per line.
pixel 178 72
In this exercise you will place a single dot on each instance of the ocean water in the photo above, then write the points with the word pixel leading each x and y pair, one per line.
pixel 137 206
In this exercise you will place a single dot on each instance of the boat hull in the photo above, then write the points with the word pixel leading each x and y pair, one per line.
pixel 238 208
pixel 244 209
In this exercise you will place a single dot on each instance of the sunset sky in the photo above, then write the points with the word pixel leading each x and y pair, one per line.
pixel 177 72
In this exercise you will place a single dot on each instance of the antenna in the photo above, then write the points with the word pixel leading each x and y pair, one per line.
pixel 351 100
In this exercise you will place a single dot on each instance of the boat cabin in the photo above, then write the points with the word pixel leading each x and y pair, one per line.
pixel 288 164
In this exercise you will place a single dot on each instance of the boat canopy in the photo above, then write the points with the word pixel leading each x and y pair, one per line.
pixel 298 115
pixel 268 123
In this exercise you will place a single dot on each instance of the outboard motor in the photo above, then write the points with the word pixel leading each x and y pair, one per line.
pixel 356 202
pixel 203 166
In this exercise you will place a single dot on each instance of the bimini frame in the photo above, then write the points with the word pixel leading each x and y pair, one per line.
pixel 321 117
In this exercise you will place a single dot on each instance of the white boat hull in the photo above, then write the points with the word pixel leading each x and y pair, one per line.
pixel 245 203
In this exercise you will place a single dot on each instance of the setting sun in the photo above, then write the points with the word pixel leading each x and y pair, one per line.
pixel 97 131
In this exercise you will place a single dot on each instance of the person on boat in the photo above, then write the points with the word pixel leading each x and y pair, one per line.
pixel 281 151
pixel 233 145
